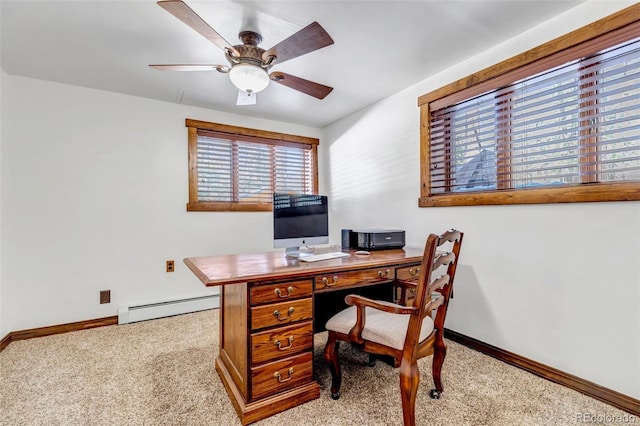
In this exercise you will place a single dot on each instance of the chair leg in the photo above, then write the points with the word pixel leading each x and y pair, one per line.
pixel 372 360
pixel 439 353
pixel 332 358
pixel 409 381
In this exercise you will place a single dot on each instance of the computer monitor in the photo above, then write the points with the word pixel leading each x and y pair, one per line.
pixel 299 220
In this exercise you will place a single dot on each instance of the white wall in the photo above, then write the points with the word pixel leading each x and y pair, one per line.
pixel 94 192
pixel 3 332
pixel 558 284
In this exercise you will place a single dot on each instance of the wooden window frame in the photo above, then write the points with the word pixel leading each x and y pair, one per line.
pixel 273 138
pixel 621 26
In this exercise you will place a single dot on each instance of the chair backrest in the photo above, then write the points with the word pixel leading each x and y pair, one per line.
pixel 435 285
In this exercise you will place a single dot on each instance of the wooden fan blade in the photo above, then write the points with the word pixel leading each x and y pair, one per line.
pixel 184 13
pixel 190 67
pixel 310 88
pixel 310 38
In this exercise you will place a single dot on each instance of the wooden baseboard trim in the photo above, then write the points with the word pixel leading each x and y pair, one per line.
pixel 56 329
pixel 5 342
pixel 593 390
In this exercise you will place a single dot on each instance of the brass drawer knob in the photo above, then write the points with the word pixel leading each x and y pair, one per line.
pixel 384 274
pixel 278 292
pixel 284 348
pixel 326 282
pixel 414 271
pixel 276 314
pixel 278 376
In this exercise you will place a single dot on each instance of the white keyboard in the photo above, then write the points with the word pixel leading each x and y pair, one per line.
pixel 323 256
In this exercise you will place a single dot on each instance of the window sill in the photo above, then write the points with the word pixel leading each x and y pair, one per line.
pixel 228 207
pixel 620 191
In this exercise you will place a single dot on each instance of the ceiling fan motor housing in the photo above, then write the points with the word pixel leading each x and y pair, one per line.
pixel 249 52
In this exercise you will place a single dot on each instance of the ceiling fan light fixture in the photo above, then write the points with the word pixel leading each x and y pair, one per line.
pixel 249 78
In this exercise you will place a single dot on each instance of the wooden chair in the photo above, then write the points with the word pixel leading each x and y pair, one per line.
pixel 405 333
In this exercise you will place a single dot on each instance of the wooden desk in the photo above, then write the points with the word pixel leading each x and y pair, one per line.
pixel 268 303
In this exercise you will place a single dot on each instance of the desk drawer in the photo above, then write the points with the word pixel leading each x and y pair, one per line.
pixel 279 292
pixel 281 313
pixel 281 342
pixel 408 273
pixel 280 376
pixel 354 278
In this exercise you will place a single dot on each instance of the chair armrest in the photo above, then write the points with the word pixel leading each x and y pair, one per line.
pixel 406 283
pixel 406 288
pixel 381 305
pixel 355 334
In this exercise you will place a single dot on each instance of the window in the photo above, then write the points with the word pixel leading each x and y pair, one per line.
pixel 560 123
pixel 238 169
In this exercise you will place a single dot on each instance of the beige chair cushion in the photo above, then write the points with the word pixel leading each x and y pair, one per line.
pixel 380 327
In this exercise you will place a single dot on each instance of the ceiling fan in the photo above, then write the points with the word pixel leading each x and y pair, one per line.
pixel 249 64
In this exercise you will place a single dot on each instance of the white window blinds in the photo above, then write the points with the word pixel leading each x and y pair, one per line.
pixel 574 124
pixel 244 169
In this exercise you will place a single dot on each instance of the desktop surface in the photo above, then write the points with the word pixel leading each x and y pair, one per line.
pixel 235 268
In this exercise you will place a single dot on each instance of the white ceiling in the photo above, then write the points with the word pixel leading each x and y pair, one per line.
pixel 381 47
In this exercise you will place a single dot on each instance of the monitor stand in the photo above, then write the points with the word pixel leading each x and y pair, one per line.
pixel 295 252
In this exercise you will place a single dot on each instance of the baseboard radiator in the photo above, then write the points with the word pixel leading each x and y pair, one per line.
pixel 129 314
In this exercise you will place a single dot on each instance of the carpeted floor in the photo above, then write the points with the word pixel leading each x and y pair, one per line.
pixel 161 372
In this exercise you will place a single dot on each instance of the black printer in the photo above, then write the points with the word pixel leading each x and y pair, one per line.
pixel 373 239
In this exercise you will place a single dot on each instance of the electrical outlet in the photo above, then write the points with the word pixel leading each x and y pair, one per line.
pixel 105 296
pixel 170 266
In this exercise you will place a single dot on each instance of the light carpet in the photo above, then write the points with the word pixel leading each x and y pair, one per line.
pixel 161 372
